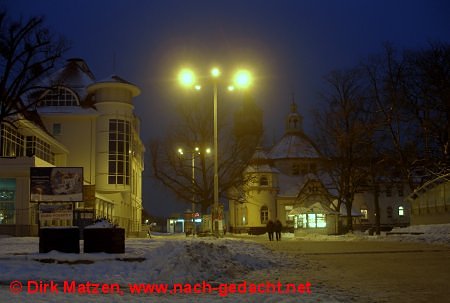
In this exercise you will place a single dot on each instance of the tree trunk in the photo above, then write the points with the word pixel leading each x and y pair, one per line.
pixel 376 201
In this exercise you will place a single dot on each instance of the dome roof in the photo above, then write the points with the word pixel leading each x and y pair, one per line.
pixel 294 145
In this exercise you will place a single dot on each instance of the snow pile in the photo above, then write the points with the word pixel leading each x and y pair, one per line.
pixel 432 233
pixel 101 224
pixel 157 260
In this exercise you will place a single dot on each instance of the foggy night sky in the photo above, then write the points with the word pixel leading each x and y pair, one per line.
pixel 289 45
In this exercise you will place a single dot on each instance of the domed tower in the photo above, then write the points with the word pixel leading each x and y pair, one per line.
pixel 295 154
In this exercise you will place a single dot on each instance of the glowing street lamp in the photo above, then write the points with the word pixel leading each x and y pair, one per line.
pixel 242 79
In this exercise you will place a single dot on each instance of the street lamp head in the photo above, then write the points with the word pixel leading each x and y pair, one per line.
pixel 186 77
pixel 180 151
pixel 243 79
pixel 215 72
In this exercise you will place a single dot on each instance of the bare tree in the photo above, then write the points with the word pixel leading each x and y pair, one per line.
pixel 345 136
pixel 427 87
pixel 28 51
pixel 194 128
pixel 399 142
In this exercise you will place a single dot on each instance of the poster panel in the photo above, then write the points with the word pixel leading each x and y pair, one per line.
pixel 56 211
pixel 56 184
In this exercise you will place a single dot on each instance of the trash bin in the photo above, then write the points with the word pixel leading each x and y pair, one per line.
pixel 108 240
pixel 62 239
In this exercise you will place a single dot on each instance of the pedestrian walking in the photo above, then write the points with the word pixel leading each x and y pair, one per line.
pixel 278 227
pixel 270 229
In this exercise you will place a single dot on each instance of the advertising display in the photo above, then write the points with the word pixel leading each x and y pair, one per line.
pixel 54 211
pixel 56 184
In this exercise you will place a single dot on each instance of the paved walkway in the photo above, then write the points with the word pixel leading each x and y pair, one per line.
pixel 373 271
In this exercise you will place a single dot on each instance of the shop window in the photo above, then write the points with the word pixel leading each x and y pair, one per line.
pixel 7 201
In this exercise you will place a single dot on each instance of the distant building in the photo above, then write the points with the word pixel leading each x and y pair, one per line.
pixel 287 182
pixel 80 122
pixel 430 203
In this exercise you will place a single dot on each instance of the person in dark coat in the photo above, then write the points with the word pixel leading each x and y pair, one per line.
pixel 270 229
pixel 278 227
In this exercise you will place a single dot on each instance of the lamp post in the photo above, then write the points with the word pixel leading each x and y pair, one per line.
pixel 242 79
pixel 194 152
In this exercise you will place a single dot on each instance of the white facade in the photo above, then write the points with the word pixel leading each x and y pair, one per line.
pixel 82 123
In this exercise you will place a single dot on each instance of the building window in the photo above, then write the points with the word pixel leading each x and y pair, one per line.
pixel 311 221
pixel 263 181
pixel 264 215
pixel 321 221
pixel 401 211
pixel 244 215
pixel 400 190
pixel 119 152
pixel 39 148
pixel 287 210
pixel 388 191
pixel 13 143
pixel 56 129
pixel 364 213
pixel 7 201
pixel 389 212
pixel 59 96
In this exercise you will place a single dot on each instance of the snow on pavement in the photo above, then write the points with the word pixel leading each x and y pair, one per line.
pixel 215 262
pixel 221 264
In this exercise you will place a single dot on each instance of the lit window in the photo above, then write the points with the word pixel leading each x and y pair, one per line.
pixel 312 221
pixel 364 213
pixel 7 201
pixel 244 215
pixel 321 220
pixel 264 215
pixel 401 211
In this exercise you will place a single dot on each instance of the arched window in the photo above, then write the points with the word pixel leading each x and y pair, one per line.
pixel 244 220
pixel 263 181
pixel 264 215
pixel 59 96
pixel 401 211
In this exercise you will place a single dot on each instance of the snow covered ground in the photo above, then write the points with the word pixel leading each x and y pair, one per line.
pixel 232 269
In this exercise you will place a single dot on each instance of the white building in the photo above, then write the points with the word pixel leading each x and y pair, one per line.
pixel 287 183
pixel 80 122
